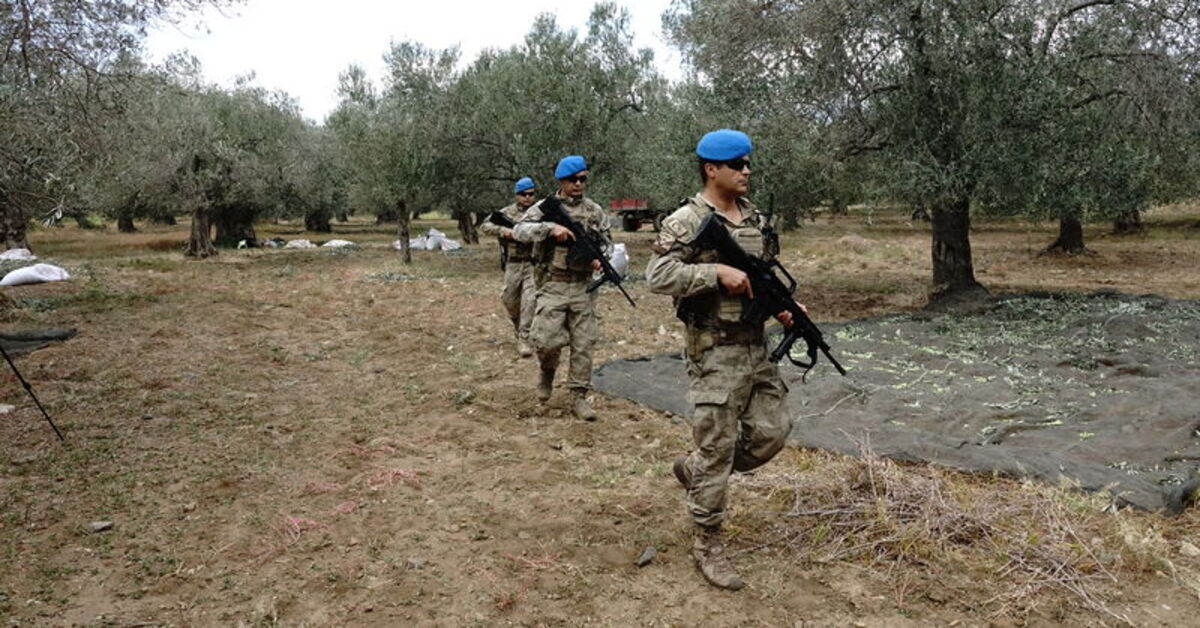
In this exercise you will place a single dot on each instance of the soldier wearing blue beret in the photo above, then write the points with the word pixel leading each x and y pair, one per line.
pixel 519 291
pixel 565 315
pixel 740 419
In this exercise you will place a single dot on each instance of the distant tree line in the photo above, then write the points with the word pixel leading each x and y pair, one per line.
pixel 1077 110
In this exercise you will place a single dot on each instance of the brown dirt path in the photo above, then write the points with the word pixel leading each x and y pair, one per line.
pixel 315 438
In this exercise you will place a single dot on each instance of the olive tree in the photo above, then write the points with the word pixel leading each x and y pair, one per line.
pixel 949 98
pixel 62 74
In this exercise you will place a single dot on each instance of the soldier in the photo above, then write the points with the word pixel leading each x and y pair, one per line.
pixel 565 314
pixel 740 421
pixel 519 289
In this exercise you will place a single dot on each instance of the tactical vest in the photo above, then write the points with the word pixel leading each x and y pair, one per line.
pixel 716 310
pixel 560 257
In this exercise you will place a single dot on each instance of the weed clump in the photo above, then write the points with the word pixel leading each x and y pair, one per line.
pixel 1012 544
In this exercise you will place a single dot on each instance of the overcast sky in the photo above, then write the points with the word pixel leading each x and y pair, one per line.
pixel 300 46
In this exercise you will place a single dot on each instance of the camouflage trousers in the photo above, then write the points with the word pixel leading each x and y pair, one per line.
pixel 519 296
pixel 740 422
pixel 565 316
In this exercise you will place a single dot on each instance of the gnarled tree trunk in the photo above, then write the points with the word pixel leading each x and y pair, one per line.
pixel 318 221
pixel 13 225
pixel 466 228
pixel 125 224
pixel 953 270
pixel 919 213
pixel 1128 222
pixel 385 215
pixel 200 241
pixel 1070 236
pixel 234 224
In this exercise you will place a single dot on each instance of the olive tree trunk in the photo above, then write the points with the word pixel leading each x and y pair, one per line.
pixel 953 271
pixel 13 225
pixel 1128 222
pixel 404 231
pixel 1070 236
pixel 318 221
pixel 466 228
pixel 234 223
pixel 199 243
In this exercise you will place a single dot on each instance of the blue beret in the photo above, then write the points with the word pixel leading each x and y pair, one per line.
pixel 571 164
pixel 525 183
pixel 723 145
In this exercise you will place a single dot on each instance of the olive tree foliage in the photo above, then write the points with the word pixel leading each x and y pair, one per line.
pixel 516 112
pixel 1102 122
pixel 392 140
pixel 434 137
pixel 60 76
pixel 952 103
pixel 227 157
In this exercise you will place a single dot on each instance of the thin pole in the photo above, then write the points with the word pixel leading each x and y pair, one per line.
pixel 29 389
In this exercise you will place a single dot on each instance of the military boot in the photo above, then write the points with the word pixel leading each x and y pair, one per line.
pixel 681 472
pixel 581 408
pixel 545 385
pixel 523 348
pixel 709 552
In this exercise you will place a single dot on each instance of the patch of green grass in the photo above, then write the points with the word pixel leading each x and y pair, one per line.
pixel 94 298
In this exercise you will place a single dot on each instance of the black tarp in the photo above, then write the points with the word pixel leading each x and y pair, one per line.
pixel 1100 391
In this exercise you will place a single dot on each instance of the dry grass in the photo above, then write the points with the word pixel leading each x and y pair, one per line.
pixel 342 439
pixel 1019 545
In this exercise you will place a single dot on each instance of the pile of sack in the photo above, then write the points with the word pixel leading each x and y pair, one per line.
pixel 433 240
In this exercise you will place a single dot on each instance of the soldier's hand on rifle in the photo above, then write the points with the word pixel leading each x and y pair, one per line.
pixel 596 266
pixel 785 317
pixel 507 234
pixel 734 281
pixel 562 234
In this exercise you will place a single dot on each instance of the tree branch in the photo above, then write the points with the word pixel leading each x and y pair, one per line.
pixel 1065 15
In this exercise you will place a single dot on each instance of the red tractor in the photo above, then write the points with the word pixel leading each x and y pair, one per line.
pixel 633 212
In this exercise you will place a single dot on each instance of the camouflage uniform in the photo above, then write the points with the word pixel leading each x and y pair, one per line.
pixel 741 419
pixel 565 312
pixel 519 290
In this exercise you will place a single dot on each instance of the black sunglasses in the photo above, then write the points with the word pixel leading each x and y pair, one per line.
pixel 734 164
pixel 579 178
pixel 526 193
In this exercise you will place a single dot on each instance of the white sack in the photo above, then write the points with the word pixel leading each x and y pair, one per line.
pixel 299 244
pixel 18 254
pixel 37 273
pixel 619 259
pixel 338 243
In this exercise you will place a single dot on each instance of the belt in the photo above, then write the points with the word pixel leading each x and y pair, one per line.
pixel 570 276
pixel 738 335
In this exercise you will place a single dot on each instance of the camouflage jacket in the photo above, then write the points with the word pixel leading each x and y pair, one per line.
pixel 515 251
pixel 689 274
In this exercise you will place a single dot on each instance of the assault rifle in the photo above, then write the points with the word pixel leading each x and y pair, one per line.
pixel 584 246
pixel 500 220
pixel 771 295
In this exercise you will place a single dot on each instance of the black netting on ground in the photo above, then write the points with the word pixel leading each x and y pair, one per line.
pixel 1098 390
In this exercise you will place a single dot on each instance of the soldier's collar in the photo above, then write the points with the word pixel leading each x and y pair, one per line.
pixel 568 201
pixel 742 203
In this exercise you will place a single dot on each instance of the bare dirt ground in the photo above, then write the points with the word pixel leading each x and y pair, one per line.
pixel 335 438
